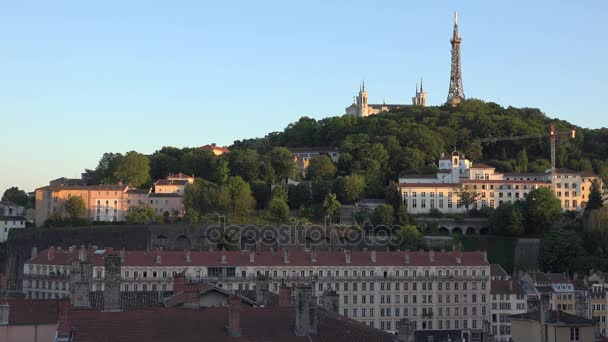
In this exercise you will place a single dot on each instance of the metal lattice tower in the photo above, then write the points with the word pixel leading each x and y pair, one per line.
pixel 456 93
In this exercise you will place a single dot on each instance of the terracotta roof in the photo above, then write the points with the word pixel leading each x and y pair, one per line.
pixel 209 324
pixel 62 256
pixel 417 176
pixel 32 311
pixel 580 285
pixel 540 277
pixel 497 271
pixel 588 174
pixel 553 317
pixel 428 185
pixel 272 299
pixel 130 300
pixel 503 181
pixel 506 287
pixel 296 258
pixel 180 175
pixel 161 194
pixel 558 278
pixel 171 182
pixel 105 187
pixel 138 191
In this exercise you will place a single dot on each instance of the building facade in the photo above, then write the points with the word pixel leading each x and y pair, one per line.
pixel 436 290
pixel 508 298
pixel 421 193
pixel 362 108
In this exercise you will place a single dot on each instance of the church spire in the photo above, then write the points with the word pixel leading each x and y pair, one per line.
pixel 363 84
pixel 421 85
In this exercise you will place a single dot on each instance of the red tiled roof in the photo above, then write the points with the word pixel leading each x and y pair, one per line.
pixel 62 257
pixel 209 324
pixel 296 258
pixel 428 185
pixel 558 278
pixel 32 311
pixel 506 287
pixel 104 187
pixel 171 182
pixel 180 175
pixel 503 181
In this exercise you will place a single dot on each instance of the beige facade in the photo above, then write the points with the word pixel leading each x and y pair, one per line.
pixel 28 333
pixel 529 330
pixel 361 108
pixel 421 193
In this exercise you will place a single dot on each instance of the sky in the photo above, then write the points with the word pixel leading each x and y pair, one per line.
pixel 80 78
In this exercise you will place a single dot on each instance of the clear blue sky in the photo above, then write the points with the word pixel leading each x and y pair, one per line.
pixel 79 78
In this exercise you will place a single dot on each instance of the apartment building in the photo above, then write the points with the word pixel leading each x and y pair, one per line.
pixel 558 286
pixel 421 193
pixel 436 290
pixel 111 202
pixel 508 298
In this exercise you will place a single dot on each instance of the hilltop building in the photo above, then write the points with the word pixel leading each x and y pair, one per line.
pixel 361 108
pixel 12 216
pixel 217 150
pixel 421 193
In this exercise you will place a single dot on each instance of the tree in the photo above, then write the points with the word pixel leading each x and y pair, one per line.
pixel 321 167
pixel 13 194
pixel 282 162
pixel 241 199
pixel 75 207
pixel 522 161
pixel 507 220
pixel 558 248
pixel 104 173
pixel 474 151
pixel 349 188
pixel 383 215
pixel 595 196
pixel 161 165
pixel 278 210
pixel 228 241
pixel 141 214
pixel 466 197
pixel 133 168
pixel 331 205
pixel 541 209
pixel 299 195
pixel 408 238
pixel 244 163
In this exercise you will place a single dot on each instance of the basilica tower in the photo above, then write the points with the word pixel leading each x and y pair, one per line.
pixel 456 92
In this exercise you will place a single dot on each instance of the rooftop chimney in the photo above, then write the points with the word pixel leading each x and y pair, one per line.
pixel 373 255
pixel 285 257
pixel 261 290
pixel 485 256
pixel 4 312
pixel 251 256
pixel 82 253
pixel 82 274
pixel 34 252
pixel 406 259
pixel 63 327
pixel 51 252
pixel 224 258
pixel 544 315
pixel 179 282
pixel 347 256
pixel 159 259
pixel 330 301
pixel 111 292
pixel 405 327
pixel 458 260
pixel 234 317
pixel 284 296
pixel 306 313
pixel 188 257
pixel 432 255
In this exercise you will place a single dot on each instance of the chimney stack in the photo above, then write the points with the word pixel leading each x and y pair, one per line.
pixel 51 252
pixel 284 296
pixel 34 252
pixel 82 275
pixel 251 256
pixel 313 255
pixel 234 317
pixel 373 255
pixel 159 259
pixel 261 290
pixel 111 292
pixel 432 255
pixel 285 256
pixel 63 327
pixel 306 313
pixel 224 258
pixel 405 327
pixel 4 314
pixel 179 282
pixel 82 253
pixel 406 259
pixel 188 257
pixel 347 256
pixel 544 315
pixel 330 301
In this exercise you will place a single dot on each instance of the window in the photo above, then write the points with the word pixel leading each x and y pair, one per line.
pixel 574 334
